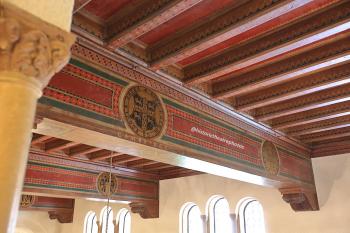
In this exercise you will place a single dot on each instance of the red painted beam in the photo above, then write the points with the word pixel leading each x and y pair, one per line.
pixel 272 18
pixel 310 41
pixel 277 79
pixel 151 22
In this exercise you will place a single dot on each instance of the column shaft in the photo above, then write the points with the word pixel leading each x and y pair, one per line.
pixel 18 98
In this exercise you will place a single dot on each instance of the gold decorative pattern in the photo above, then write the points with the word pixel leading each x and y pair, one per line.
pixel 31 46
pixel 104 185
pixel 27 201
pixel 270 158
pixel 143 112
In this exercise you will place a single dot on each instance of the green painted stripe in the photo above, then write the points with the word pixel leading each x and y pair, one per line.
pixel 83 190
pixel 207 118
pixel 61 167
pixel 80 111
pixel 97 72
pixel 210 152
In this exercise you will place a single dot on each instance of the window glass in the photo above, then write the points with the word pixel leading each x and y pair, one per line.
pixel 106 219
pixel 251 216
pixel 90 225
pixel 219 215
pixel 124 221
pixel 191 219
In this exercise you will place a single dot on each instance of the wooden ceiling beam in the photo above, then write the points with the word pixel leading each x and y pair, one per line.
pixel 304 103
pixel 303 43
pixel 126 159
pixel 84 151
pixel 331 148
pixel 59 145
pixel 321 127
pixel 141 163
pixel 243 86
pixel 329 135
pixel 107 155
pixel 129 28
pixel 80 4
pixel 251 16
pixel 296 88
pixel 312 116
pixel 156 167
pixel 40 139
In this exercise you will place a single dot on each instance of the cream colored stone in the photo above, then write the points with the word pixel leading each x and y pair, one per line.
pixel 56 12
pixel 18 97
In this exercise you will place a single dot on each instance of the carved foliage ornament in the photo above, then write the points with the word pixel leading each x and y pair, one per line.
pixel 144 112
pixel 27 201
pixel 31 51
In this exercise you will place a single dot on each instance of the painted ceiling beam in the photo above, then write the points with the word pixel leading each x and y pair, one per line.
pixel 332 134
pixel 305 103
pixel 130 27
pixel 307 85
pixel 85 151
pixel 59 145
pixel 312 40
pixel 106 155
pixel 249 87
pixel 331 148
pixel 80 4
pixel 40 139
pixel 141 163
pixel 316 115
pixel 317 127
pixel 232 24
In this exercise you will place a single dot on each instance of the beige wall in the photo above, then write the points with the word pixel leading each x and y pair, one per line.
pixel 332 179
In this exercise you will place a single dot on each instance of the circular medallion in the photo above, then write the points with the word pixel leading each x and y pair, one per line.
pixel 270 158
pixel 143 112
pixel 104 185
pixel 27 201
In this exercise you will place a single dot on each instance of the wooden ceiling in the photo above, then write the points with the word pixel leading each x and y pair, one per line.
pixel 283 63
pixel 73 150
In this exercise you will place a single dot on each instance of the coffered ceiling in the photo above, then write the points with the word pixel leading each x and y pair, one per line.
pixel 284 64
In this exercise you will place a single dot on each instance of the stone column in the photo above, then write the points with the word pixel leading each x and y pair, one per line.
pixel 31 51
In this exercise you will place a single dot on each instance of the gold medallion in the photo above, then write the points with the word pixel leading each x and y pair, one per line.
pixel 104 186
pixel 270 158
pixel 144 112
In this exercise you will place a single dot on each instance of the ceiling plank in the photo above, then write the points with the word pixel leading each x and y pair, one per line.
pixel 80 4
pixel 331 148
pixel 321 114
pixel 141 163
pixel 306 85
pixel 127 32
pixel 156 167
pixel 83 151
pixel 40 139
pixel 243 84
pixel 332 134
pixel 125 159
pixel 58 145
pixel 304 103
pixel 303 43
pixel 320 127
pixel 107 155
pixel 250 16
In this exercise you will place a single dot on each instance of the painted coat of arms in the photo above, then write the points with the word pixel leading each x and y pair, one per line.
pixel 143 112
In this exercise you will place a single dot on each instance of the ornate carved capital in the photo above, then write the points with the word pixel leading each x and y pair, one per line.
pixel 31 46
pixel 300 199
pixel 146 209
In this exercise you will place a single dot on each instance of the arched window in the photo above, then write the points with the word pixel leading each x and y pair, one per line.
pixel 218 211
pixel 191 219
pixel 106 218
pixel 123 221
pixel 251 216
pixel 90 225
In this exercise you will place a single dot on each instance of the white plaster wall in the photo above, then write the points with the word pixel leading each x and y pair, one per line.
pixel 332 180
pixel 56 12
pixel 36 222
